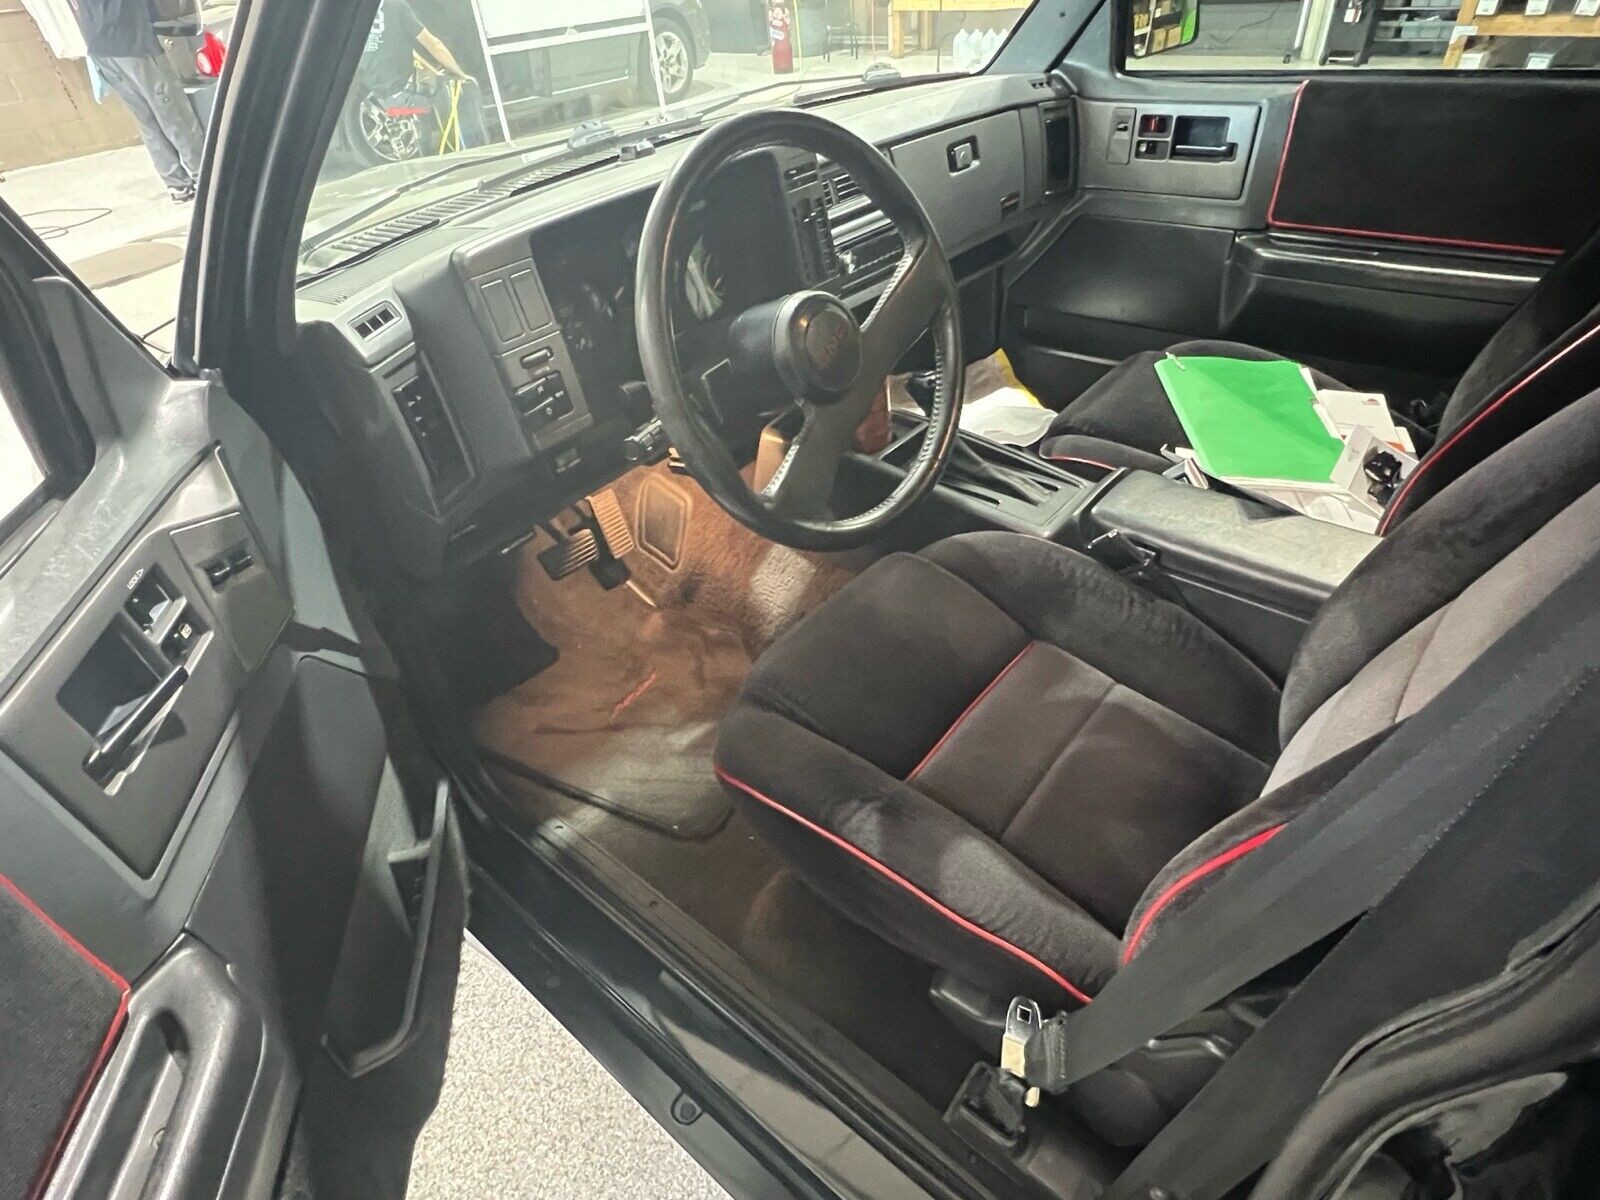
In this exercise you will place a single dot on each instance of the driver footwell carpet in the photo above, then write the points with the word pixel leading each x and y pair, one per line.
pixel 625 719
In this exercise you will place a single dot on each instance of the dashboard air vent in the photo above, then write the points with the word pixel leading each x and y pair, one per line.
pixel 841 188
pixel 864 239
pixel 368 323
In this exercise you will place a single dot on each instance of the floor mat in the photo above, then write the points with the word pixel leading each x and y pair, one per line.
pixel 625 719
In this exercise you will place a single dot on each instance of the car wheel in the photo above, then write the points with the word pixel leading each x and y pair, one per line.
pixel 674 59
pixel 374 137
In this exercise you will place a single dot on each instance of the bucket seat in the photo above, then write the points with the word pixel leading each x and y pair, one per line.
pixel 1545 355
pixel 1017 765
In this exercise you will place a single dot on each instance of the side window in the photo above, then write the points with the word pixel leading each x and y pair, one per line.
pixel 103 114
pixel 1276 35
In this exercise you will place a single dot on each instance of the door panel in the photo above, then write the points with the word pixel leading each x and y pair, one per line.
pixel 1155 250
pixel 208 781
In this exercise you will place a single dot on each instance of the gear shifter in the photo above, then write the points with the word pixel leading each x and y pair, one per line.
pixel 966 465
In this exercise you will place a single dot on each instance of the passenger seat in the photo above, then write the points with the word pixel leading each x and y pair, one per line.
pixel 1546 355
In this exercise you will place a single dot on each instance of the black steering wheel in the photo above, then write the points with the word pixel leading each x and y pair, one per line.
pixel 805 349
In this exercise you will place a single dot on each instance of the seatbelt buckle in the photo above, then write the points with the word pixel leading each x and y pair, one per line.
pixel 1023 1020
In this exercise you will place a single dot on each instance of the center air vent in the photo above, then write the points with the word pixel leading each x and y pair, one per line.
pixel 865 240
pixel 368 323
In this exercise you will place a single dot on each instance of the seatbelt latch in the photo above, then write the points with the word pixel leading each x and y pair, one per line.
pixel 1023 1020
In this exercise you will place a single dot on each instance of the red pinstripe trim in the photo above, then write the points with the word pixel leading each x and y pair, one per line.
pixel 943 910
pixel 1283 155
pixel 967 711
pixel 1200 872
pixel 1274 220
pixel 1483 413
pixel 47 1167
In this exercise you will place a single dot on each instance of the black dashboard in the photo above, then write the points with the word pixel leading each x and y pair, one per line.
pixel 488 367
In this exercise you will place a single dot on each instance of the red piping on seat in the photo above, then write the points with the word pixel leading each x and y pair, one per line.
pixel 1077 458
pixel 944 911
pixel 1394 505
pixel 47 1168
pixel 1274 220
pixel 967 711
pixel 1200 872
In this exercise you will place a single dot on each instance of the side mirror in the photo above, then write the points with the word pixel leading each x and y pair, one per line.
pixel 1158 25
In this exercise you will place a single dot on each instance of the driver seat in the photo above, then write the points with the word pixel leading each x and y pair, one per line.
pixel 1020 767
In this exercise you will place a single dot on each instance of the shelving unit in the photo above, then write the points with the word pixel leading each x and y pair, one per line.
pixel 1572 21
pixel 1415 30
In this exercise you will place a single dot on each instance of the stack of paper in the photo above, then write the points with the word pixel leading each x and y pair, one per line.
pixel 1265 428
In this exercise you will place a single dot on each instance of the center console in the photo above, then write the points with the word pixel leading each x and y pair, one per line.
pixel 1254 573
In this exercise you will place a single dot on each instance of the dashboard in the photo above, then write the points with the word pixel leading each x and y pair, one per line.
pixel 487 367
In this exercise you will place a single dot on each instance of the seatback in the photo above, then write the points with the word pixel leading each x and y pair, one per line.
pixel 1406 623
pixel 1546 353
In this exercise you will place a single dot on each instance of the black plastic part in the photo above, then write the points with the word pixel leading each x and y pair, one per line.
pixel 988 1109
pixel 196 1099
pixel 1038 1147
pixel 977 1012
pixel 484 642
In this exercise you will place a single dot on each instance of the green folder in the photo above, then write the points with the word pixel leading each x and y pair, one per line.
pixel 1251 420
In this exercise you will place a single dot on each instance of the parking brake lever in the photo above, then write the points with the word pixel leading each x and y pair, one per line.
pixel 108 755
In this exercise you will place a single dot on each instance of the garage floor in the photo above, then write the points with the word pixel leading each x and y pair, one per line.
pixel 505 1128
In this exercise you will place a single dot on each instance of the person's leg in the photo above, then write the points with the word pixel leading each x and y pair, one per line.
pixel 164 92
pixel 470 112
pixel 168 163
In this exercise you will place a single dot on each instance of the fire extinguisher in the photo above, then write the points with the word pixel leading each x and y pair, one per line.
pixel 779 30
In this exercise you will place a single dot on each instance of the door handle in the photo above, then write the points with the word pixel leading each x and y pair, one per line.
pixel 1219 153
pixel 107 755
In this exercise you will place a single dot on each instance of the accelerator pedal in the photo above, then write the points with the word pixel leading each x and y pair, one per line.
pixel 616 536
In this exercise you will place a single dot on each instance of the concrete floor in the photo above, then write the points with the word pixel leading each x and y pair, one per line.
pixel 511 1125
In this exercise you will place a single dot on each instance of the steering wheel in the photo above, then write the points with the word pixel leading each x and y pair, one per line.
pixel 804 350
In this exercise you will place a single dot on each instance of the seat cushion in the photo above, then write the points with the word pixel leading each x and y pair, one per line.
pixel 1128 406
pixel 987 751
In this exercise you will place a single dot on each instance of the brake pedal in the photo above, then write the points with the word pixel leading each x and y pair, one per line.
pixel 580 548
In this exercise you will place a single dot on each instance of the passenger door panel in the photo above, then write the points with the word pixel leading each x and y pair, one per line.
pixel 1158 249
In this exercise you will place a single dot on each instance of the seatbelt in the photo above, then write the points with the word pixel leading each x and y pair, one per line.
pixel 1512 863
pixel 1334 863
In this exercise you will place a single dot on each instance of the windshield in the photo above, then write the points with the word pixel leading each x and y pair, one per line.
pixel 451 95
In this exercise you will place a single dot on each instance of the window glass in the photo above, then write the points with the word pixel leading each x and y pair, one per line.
pixel 105 110
pixel 20 472
pixel 1300 35
pixel 452 93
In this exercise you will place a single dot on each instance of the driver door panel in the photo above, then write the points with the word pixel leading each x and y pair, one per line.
pixel 254 900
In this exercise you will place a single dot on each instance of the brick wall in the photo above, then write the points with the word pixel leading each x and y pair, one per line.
pixel 47 111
